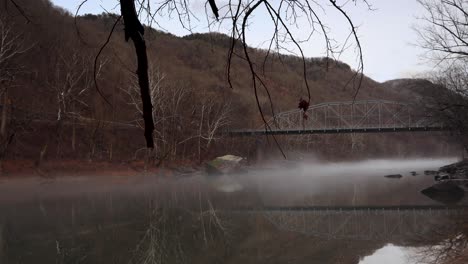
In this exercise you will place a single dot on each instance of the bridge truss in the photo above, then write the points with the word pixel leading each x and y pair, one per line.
pixel 368 116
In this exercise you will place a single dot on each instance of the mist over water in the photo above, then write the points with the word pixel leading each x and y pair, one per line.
pixel 277 183
pixel 347 183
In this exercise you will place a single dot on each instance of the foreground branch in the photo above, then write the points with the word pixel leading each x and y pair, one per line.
pixel 135 31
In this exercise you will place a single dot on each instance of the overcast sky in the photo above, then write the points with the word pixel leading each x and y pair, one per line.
pixel 385 33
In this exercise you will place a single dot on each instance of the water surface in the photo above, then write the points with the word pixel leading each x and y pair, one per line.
pixel 187 219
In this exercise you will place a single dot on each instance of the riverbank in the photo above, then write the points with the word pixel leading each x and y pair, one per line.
pixel 72 168
pixel 457 170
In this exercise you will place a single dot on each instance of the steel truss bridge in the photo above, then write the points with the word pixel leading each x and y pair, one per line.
pixel 368 116
pixel 386 223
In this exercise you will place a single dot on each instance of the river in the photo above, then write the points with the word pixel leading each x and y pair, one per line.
pixel 190 219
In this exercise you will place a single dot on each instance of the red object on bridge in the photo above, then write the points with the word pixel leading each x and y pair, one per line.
pixel 303 104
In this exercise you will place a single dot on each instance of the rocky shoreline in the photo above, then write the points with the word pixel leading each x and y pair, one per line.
pixel 451 183
pixel 458 170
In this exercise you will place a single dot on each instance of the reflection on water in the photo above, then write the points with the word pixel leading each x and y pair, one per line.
pixel 391 254
pixel 149 219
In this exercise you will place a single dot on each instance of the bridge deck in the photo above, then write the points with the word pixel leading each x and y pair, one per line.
pixel 259 132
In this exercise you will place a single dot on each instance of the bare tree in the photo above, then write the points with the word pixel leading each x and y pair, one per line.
pixel 167 101
pixel 212 115
pixel 70 82
pixel 447 243
pixel 444 36
pixel 181 114
pixel 447 103
pixel 444 32
pixel 284 17
pixel 11 46
pixel 216 116
pixel 357 142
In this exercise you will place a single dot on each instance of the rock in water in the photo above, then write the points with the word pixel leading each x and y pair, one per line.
pixel 223 165
pixel 393 176
pixel 445 193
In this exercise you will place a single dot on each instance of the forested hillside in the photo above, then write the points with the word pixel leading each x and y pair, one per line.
pixel 61 101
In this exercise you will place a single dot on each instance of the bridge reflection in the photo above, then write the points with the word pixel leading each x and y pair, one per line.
pixel 390 223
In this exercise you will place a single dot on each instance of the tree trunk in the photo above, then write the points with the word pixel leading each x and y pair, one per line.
pixel 200 133
pixel 4 114
pixel 74 136
pixel 111 149
pixel 93 143
pixel 42 154
pixel 134 30
pixel 58 153
pixel 3 137
pixel 73 130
